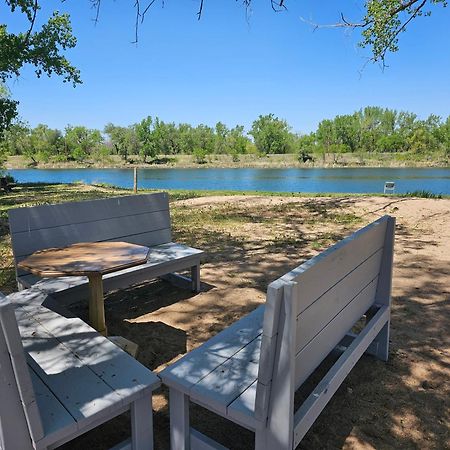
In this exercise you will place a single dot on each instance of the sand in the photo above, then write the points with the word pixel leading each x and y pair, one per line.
pixel 401 404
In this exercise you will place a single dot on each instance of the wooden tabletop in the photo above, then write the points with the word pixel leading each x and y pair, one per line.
pixel 85 258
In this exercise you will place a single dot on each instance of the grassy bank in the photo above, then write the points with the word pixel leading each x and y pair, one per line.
pixel 250 160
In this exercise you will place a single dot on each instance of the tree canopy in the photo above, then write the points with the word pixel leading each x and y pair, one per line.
pixel 370 130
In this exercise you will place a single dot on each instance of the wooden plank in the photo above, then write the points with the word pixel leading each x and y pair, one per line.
pixel 150 239
pixel 278 432
pixel 337 261
pixel 116 368
pixel 22 376
pixel 56 420
pixel 274 299
pixel 83 393
pixel 242 409
pixel 306 415
pixel 56 215
pixel 226 382
pixel 14 432
pixel 314 318
pixel 120 228
pixel 201 361
pixel 317 349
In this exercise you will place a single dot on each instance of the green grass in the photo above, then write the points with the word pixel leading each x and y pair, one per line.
pixel 423 194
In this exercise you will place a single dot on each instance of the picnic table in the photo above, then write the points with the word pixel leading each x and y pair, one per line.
pixel 91 259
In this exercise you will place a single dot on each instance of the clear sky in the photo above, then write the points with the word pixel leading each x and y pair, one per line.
pixel 231 68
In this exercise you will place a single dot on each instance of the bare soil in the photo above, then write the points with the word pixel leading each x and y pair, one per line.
pixel 250 241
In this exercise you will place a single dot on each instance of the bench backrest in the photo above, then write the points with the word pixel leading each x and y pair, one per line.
pixel 310 309
pixel 20 421
pixel 138 219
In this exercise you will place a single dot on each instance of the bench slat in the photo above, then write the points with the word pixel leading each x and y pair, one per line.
pixel 317 349
pixel 242 409
pixel 310 409
pixel 28 242
pixel 14 431
pixel 50 216
pixel 84 394
pixel 56 420
pixel 21 373
pixel 198 363
pixel 314 318
pixel 225 383
pixel 322 272
pixel 116 368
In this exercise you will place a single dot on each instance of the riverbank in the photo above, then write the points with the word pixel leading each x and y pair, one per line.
pixel 240 161
pixel 249 241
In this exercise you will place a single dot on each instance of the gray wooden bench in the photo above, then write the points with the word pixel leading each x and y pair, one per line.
pixel 60 378
pixel 138 219
pixel 250 372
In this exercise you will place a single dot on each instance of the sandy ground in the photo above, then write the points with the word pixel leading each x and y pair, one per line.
pixel 402 404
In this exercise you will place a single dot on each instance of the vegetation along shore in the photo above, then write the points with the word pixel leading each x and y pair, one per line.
pixel 372 137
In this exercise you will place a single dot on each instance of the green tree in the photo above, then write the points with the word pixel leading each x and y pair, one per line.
pixel 80 142
pixel 236 141
pixel 123 139
pixel 272 135
pixel 8 109
pixel 42 48
pixel 326 137
pixel 221 132
pixel 146 142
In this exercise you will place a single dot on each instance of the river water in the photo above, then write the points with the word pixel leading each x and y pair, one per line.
pixel 344 180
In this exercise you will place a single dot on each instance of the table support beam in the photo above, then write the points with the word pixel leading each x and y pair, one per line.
pixel 96 303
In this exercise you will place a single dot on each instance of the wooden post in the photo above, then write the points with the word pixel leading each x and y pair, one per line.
pixel 135 181
pixel 96 303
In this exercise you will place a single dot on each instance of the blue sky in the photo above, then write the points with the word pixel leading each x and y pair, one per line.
pixel 231 68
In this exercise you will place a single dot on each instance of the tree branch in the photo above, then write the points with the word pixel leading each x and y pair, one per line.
pixel 33 19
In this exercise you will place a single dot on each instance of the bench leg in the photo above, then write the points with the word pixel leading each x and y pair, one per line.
pixel 142 424
pixel 179 420
pixel 195 277
pixel 381 344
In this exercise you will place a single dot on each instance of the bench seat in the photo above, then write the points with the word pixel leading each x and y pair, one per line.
pixel 79 378
pixel 249 372
pixel 136 219
pixel 163 259
pixel 219 373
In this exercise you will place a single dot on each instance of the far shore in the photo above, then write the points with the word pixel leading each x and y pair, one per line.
pixel 242 161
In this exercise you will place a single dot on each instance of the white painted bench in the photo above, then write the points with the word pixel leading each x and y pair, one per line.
pixel 250 372
pixel 138 219
pixel 60 378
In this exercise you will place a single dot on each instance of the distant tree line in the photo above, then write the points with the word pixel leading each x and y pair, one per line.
pixel 371 129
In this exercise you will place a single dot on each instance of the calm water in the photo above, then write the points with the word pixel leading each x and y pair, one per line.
pixel 354 180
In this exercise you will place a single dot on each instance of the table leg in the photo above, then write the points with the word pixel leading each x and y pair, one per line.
pixel 96 303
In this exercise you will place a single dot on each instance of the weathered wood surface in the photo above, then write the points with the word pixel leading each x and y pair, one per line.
pixel 79 379
pixel 249 372
pixel 84 258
